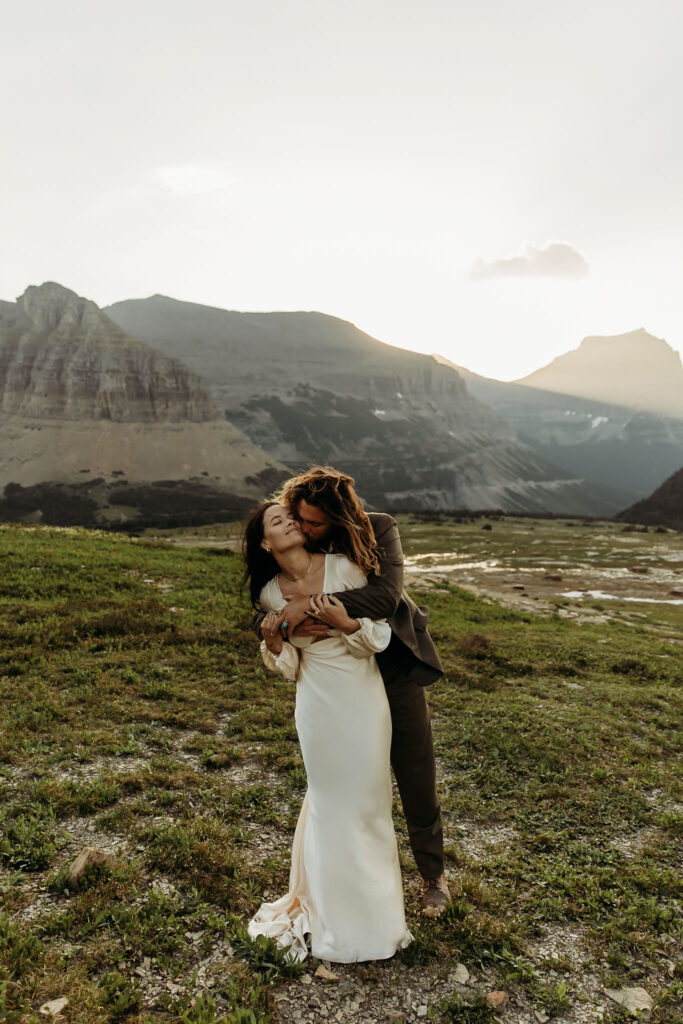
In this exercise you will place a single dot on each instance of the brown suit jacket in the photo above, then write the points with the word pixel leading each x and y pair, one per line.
pixel 411 650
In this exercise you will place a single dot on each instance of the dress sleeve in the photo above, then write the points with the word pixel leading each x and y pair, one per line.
pixel 286 662
pixel 373 636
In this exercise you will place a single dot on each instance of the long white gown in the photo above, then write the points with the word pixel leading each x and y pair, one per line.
pixel 345 889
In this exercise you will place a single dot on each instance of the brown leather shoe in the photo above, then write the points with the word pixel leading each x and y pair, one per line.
pixel 435 896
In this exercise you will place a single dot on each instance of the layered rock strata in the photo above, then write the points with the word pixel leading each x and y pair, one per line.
pixel 62 358
pixel 80 400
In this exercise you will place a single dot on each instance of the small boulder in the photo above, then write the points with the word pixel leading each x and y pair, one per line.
pixel 632 999
pixel 497 999
pixel 326 974
pixel 89 857
pixel 54 1007
pixel 461 975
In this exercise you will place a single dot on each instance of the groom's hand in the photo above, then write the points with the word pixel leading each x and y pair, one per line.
pixel 328 608
pixel 299 621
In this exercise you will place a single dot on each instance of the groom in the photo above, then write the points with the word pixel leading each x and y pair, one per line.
pixel 329 511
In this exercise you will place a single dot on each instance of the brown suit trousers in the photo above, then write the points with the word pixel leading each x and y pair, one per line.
pixel 409 663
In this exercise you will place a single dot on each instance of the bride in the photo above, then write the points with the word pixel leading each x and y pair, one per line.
pixel 345 900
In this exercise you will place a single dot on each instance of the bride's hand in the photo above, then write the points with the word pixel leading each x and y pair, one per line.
pixel 270 630
pixel 329 609
pixel 296 611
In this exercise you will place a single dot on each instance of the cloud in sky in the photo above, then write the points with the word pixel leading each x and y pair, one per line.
pixel 554 259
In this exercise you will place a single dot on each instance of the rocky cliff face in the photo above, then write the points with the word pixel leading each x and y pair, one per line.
pixel 84 405
pixel 633 369
pixel 312 388
pixel 61 357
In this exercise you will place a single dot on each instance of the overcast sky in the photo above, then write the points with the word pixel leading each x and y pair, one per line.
pixel 491 180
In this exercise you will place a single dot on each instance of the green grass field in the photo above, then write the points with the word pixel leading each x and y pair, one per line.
pixel 135 716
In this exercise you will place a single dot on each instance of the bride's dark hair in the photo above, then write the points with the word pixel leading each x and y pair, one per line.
pixel 260 564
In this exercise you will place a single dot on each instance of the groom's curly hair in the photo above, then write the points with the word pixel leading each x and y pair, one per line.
pixel 335 495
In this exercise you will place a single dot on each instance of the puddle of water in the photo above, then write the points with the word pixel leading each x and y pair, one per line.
pixel 600 595
pixel 492 566
pixel 438 561
pixel 435 562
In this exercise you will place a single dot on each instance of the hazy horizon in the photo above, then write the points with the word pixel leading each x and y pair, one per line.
pixel 491 183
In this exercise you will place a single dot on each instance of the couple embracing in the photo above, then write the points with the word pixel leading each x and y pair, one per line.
pixel 326 579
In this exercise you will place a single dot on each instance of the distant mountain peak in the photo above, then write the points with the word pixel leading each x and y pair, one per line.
pixel 52 292
pixel 630 339
pixel 47 305
pixel 634 369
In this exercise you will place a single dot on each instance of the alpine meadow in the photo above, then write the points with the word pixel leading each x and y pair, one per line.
pixel 139 722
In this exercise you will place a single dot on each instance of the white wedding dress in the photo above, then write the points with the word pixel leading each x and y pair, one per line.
pixel 345 893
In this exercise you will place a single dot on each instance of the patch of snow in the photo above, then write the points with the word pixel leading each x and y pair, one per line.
pixel 597 420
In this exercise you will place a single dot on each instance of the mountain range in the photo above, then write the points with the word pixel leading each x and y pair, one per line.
pixel 307 387
pixel 161 410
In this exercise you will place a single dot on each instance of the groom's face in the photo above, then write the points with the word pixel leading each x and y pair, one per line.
pixel 315 524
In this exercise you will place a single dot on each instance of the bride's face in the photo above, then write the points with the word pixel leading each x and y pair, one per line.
pixel 281 531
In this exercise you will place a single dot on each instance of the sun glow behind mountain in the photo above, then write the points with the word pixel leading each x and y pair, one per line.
pixel 492 182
